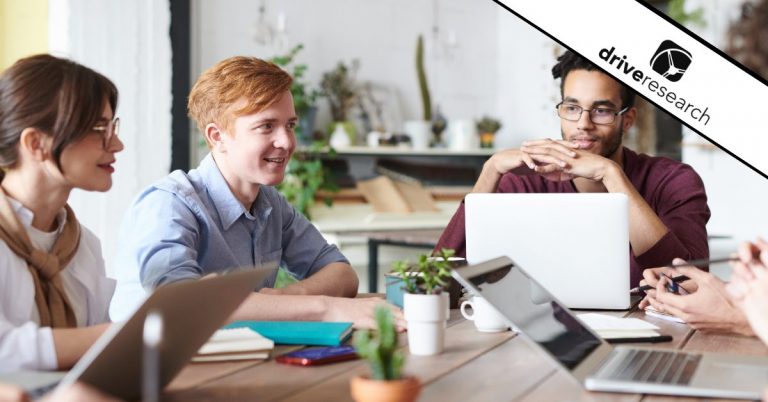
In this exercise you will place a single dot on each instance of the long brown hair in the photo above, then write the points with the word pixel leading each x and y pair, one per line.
pixel 56 96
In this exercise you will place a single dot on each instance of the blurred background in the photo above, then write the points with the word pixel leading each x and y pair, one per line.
pixel 401 102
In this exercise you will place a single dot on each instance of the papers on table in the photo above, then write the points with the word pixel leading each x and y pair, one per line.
pixel 664 316
pixel 610 327
pixel 234 344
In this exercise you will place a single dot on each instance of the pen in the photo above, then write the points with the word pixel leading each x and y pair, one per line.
pixel 682 278
pixel 648 339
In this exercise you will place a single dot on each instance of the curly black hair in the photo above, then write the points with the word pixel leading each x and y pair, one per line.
pixel 570 61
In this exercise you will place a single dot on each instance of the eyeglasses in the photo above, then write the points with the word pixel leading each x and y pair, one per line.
pixel 108 131
pixel 598 115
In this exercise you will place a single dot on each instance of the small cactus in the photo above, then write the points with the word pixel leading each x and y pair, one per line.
pixel 426 101
pixel 380 348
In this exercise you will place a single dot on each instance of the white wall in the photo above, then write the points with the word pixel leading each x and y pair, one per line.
pixel 128 42
pixel 526 94
pixel 487 72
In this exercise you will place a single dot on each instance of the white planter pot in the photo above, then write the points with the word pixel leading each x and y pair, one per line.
pixel 340 137
pixel 420 132
pixel 426 316
pixel 462 135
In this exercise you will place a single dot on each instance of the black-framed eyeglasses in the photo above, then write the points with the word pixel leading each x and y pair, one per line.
pixel 598 115
pixel 108 131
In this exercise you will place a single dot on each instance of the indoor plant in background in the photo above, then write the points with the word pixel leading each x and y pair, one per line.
pixel 420 130
pixel 305 176
pixel 303 98
pixel 381 350
pixel 425 303
pixel 487 128
pixel 338 87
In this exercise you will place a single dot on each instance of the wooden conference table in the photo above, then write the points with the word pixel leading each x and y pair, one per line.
pixel 474 367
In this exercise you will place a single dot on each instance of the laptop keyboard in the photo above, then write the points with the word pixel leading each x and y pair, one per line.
pixel 657 367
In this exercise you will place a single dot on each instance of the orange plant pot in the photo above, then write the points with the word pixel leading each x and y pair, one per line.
pixel 365 389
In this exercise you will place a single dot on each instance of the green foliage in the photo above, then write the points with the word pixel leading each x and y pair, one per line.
pixel 380 348
pixel 303 98
pixel 676 11
pixel 305 176
pixel 488 125
pixel 338 86
pixel 428 277
pixel 426 100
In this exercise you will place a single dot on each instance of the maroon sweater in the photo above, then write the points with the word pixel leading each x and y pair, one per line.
pixel 672 189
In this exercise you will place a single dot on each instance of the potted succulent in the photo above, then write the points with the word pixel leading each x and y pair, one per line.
pixel 386 360
pixel 303 98
pixel 487 128
pixel 339 88
pixel 425 303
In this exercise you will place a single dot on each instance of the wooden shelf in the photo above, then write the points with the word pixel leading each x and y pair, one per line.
pixel 401 151
pixel 353 195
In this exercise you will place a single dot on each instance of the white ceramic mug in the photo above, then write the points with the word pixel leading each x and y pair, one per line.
pixel 486 318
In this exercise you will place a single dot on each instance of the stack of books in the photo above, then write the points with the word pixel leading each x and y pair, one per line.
pixel 235 344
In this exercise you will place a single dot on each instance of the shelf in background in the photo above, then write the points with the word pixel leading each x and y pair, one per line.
pixel 358 217
pixel 368 151
pixel 353 195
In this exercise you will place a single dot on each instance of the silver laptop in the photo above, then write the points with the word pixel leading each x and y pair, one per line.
pixel 542 318
pixel 191 312
pixel 570 243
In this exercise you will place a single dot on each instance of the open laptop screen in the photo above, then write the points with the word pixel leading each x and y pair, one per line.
pixel 533 310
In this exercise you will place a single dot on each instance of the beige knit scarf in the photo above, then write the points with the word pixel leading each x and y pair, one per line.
pixel 50 297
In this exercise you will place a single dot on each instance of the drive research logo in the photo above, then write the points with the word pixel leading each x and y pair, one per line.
pixel 671 68
pixel 671 60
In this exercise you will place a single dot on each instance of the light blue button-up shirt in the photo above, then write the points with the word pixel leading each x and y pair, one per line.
pixel 188 225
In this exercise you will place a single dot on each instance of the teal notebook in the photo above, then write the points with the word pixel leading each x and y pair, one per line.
pixel 299 332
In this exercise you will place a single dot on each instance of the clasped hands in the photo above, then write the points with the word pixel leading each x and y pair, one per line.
pixel 555 160
pixel 710 304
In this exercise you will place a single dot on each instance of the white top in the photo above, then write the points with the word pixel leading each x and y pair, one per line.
pixel 23 343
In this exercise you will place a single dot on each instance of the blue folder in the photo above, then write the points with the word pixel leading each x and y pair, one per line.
pixel 299 332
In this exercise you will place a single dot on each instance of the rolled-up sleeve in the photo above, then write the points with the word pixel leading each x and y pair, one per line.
pixel 26 347
pixel 682 206
pixel 454 235
pixel 305 250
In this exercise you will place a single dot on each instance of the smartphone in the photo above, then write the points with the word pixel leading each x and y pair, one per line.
pixel 318 356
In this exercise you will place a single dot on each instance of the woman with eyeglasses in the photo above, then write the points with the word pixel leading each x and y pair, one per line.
pixel 58 132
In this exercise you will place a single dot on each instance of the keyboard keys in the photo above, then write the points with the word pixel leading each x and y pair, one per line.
pixel 656 366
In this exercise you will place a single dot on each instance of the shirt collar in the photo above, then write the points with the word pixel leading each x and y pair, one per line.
pixel 227 205
pixel 26 215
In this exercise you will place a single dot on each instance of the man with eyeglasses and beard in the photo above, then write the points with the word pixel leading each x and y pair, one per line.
pixel 668 208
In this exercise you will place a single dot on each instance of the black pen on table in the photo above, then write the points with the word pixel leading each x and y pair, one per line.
pixel 646 339
pixel 682 278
